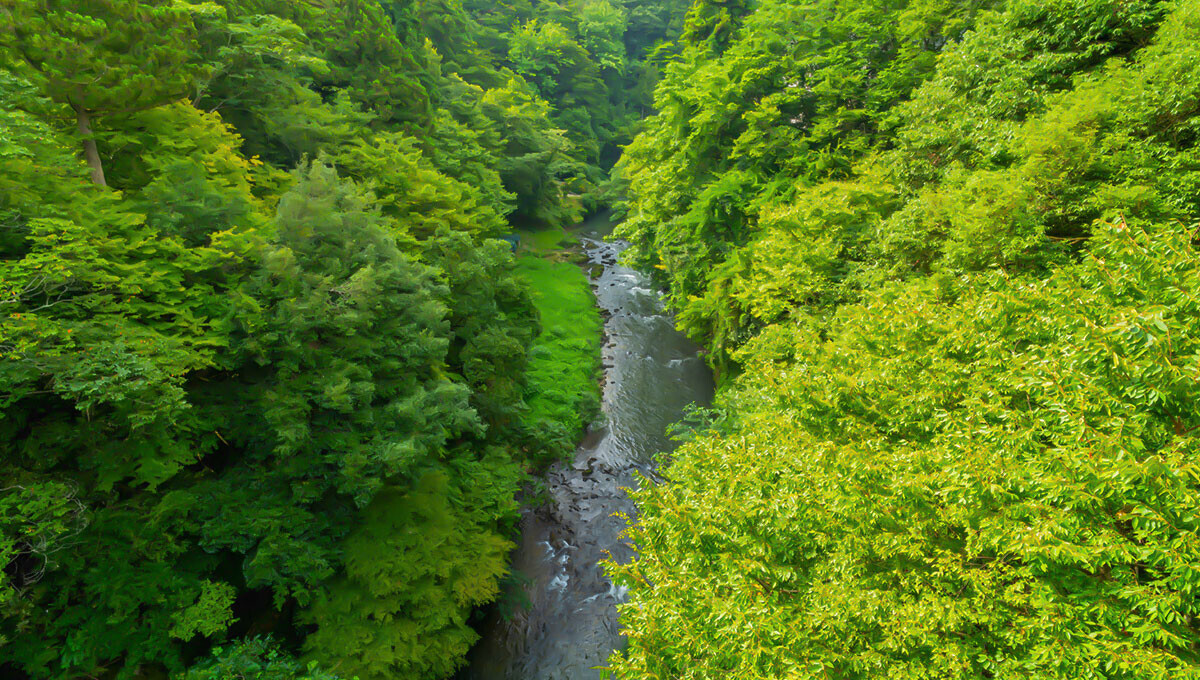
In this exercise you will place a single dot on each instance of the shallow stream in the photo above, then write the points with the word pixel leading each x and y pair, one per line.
pixel 652 372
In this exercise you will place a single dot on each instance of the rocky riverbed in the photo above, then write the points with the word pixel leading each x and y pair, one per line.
pixel 568 626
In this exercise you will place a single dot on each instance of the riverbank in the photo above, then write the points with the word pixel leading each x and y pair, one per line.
pixel 563 388
pixel 565 625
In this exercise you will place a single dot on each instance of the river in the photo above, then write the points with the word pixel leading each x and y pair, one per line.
pixel 652 372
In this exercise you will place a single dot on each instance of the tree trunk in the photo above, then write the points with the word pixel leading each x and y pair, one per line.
pixel 84 119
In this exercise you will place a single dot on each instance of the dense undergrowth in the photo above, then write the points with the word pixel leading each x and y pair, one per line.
pixel 268 379
pixel 944 255
pixel 563 391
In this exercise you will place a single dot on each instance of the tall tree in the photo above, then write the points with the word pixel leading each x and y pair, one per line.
pixel 83 54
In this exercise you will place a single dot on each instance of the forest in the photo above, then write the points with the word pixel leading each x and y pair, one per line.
pixel 271 383
pixel 944 257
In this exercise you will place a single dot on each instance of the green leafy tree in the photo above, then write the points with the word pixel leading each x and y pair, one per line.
pixel 79 54
pixel 356 336
pixel 244 381
pixel 254 659
pixel 985 478
pixel 402 607
pixel 958 447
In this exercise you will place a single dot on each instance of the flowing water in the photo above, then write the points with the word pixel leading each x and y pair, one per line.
pixel 652 373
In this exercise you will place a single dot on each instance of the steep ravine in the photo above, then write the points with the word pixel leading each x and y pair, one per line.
pixel 651 374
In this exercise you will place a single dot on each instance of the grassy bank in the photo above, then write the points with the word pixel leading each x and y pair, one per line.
pixel 563 391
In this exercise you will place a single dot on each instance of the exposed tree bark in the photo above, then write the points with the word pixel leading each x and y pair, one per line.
pixel 84 119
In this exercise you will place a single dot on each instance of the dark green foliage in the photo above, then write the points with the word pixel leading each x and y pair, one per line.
pixel 238 400
pixel 401 608
pixel 579 64
pixel 493 321
pixel 255 659
pixel 354 335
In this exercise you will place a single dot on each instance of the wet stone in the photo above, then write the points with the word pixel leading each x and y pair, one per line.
pixel 571 625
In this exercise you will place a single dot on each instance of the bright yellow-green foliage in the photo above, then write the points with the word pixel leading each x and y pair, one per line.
pixel 563 391
pixel 945 254
pixel 994 478
pixel 893 162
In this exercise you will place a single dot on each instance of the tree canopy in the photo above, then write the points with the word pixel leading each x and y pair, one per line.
pixel 263 361
pixel 270 382
pixel 943 255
